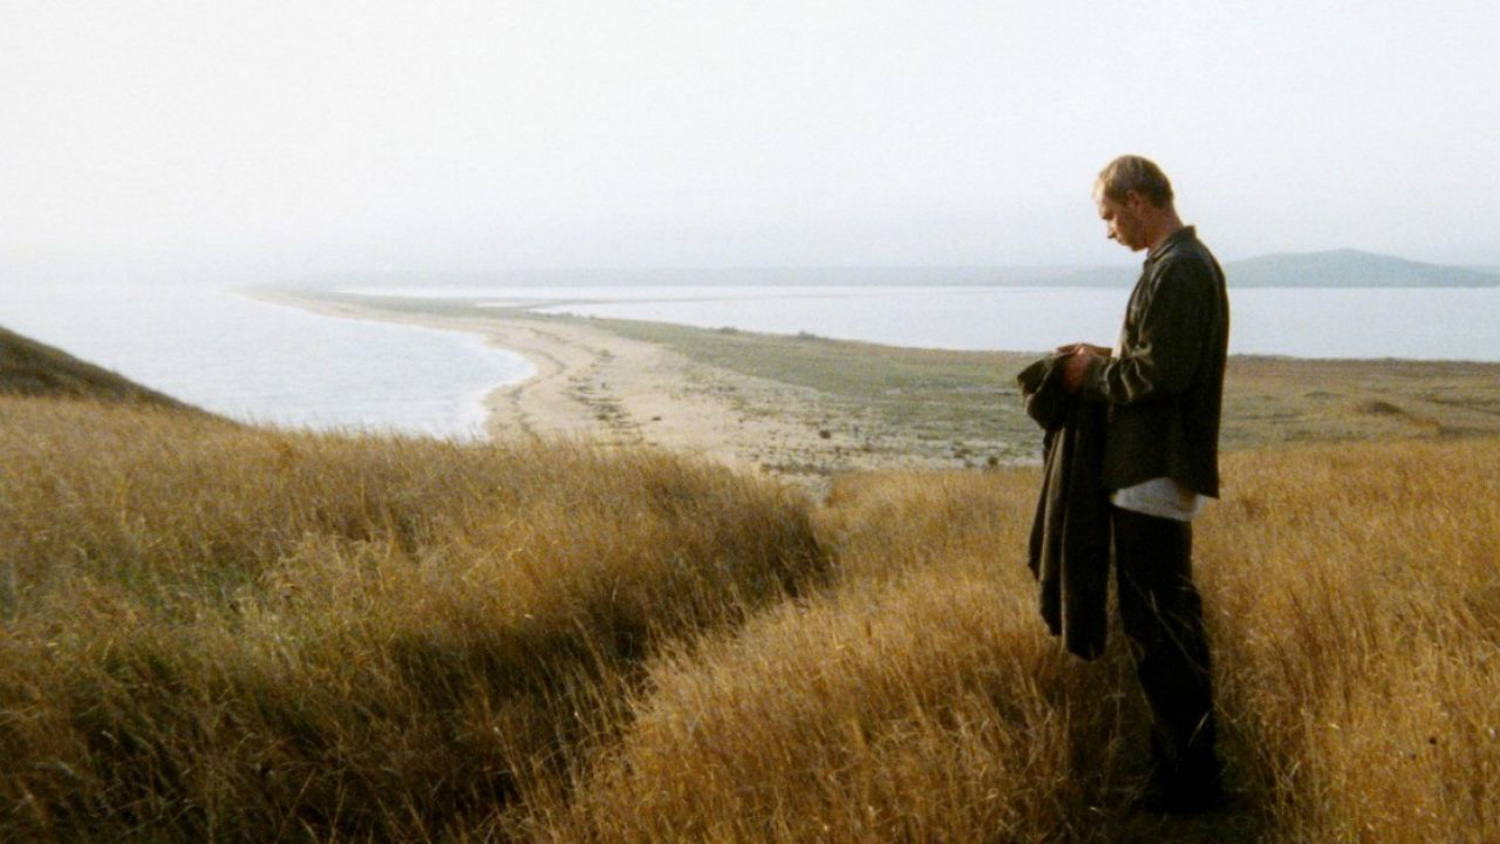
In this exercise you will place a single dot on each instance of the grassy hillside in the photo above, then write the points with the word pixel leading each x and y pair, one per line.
pixel 1326 268
pixel 1354 601
pixel 217 633
pixel 30 368
pixel 221 633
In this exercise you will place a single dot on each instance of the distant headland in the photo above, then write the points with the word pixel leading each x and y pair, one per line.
pixel 1327 268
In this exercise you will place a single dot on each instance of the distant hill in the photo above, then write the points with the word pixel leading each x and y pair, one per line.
pixel 30 368
pixel 1350 268
pixel 1335 268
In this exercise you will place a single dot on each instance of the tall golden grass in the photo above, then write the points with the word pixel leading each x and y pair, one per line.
pixel 1354 594
pixel 221 633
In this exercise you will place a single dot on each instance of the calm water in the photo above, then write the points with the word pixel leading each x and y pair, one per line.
pixel 225 352
pixel 1426 324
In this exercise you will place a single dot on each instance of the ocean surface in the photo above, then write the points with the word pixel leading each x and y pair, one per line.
pixel 265 363
pixel 1448 323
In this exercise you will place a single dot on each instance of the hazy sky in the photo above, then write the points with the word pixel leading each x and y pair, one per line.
pixel 306 136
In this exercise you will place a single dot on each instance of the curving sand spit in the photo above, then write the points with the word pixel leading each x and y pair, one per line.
pixel 947 410
pixel 597 385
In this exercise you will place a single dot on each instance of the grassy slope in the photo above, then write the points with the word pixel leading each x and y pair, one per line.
pixel 30 368
pixel 252 635
pixel 232 633
pixel 920 700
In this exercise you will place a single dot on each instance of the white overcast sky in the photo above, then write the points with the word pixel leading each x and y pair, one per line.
pixel 306 136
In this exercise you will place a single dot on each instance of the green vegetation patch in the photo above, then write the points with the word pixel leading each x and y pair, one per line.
pixel 929 394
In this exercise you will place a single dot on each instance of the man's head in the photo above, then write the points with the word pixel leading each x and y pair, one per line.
pixel 1135 202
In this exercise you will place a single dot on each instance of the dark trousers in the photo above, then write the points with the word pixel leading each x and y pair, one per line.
pixel 1163 616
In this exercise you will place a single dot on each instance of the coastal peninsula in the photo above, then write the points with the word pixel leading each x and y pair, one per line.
pixel 806 408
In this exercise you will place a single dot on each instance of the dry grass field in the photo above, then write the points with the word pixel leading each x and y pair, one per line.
pixel 219 633
pixel 211 632
pixel 1354 594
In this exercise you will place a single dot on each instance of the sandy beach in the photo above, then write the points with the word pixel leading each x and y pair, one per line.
pixel 597 385
pixel 835 407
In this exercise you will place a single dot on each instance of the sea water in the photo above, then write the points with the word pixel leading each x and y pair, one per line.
pixel 251 360
pixel 1407 323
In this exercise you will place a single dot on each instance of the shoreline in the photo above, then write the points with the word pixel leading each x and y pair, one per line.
pixel 598 386
pixel 806 408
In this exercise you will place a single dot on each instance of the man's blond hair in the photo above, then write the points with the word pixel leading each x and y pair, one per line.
pixel 1134 173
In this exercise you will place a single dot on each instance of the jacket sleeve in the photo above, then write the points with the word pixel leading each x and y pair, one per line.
pixel 1166 344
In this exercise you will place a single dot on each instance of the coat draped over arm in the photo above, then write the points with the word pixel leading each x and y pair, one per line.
pixel 1069 551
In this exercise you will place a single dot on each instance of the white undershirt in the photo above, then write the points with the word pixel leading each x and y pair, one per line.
pixel 1162 497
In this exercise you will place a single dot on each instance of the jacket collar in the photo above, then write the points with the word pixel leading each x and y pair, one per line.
pixel 1182 235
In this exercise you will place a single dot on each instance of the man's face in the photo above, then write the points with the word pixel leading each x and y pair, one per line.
pixel 1122 220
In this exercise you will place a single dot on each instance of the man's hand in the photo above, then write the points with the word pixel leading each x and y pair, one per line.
pixel 1075 366
pixel 1088 348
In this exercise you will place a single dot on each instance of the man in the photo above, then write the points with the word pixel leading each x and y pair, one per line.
pixel 1163 389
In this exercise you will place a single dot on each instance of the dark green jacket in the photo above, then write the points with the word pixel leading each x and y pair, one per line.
pixel 1166 387
pixel 1070 535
